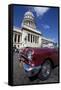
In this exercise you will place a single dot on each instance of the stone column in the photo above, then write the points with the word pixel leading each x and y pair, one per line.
pixel 17 39
pixel 20 38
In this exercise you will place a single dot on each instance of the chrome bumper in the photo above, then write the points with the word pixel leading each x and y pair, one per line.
pixel 31 71
pixel 22 57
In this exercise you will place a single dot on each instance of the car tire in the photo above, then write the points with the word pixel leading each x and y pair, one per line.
pixel 33 78
pixel 45 70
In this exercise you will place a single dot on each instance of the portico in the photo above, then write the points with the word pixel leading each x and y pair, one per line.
pixel 17 38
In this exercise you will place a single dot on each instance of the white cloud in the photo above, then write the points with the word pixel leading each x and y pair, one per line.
pixel 41 10
pixel 45 26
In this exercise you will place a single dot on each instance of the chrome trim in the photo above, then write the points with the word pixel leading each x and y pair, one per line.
pixel 21 55
pixel 28 69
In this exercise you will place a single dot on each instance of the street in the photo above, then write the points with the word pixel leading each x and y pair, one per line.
pixel 20 78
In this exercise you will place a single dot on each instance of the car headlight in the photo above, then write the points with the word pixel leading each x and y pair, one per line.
pixel 29 55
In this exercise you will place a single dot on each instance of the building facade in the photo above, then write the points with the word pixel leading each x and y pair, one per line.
pixel 27 35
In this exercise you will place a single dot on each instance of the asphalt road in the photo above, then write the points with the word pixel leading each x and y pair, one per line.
pixel 20 78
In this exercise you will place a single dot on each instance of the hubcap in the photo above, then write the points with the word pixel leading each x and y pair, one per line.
pixel 46 69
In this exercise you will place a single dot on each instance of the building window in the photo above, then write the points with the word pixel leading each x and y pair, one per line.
pixel 18 38
pixel 28 37
pixel 15 37
pixel 31 38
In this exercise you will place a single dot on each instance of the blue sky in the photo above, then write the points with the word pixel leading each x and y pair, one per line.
pixel 46 19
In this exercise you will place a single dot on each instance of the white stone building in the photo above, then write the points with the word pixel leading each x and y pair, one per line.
pixel 27 35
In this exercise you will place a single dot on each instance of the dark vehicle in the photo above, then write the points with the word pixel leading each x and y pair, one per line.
pixel 39 61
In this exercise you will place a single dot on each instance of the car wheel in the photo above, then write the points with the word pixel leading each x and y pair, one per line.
pixel 33 78
pixel 45 70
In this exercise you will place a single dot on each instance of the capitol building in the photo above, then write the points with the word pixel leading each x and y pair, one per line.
pixel 28 35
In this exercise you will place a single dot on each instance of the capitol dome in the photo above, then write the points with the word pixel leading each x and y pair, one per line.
pixel 29 15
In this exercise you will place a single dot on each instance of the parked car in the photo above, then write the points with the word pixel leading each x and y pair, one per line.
pixel 39 61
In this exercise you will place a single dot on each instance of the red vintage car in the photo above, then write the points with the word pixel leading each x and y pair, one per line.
pixel 39 61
